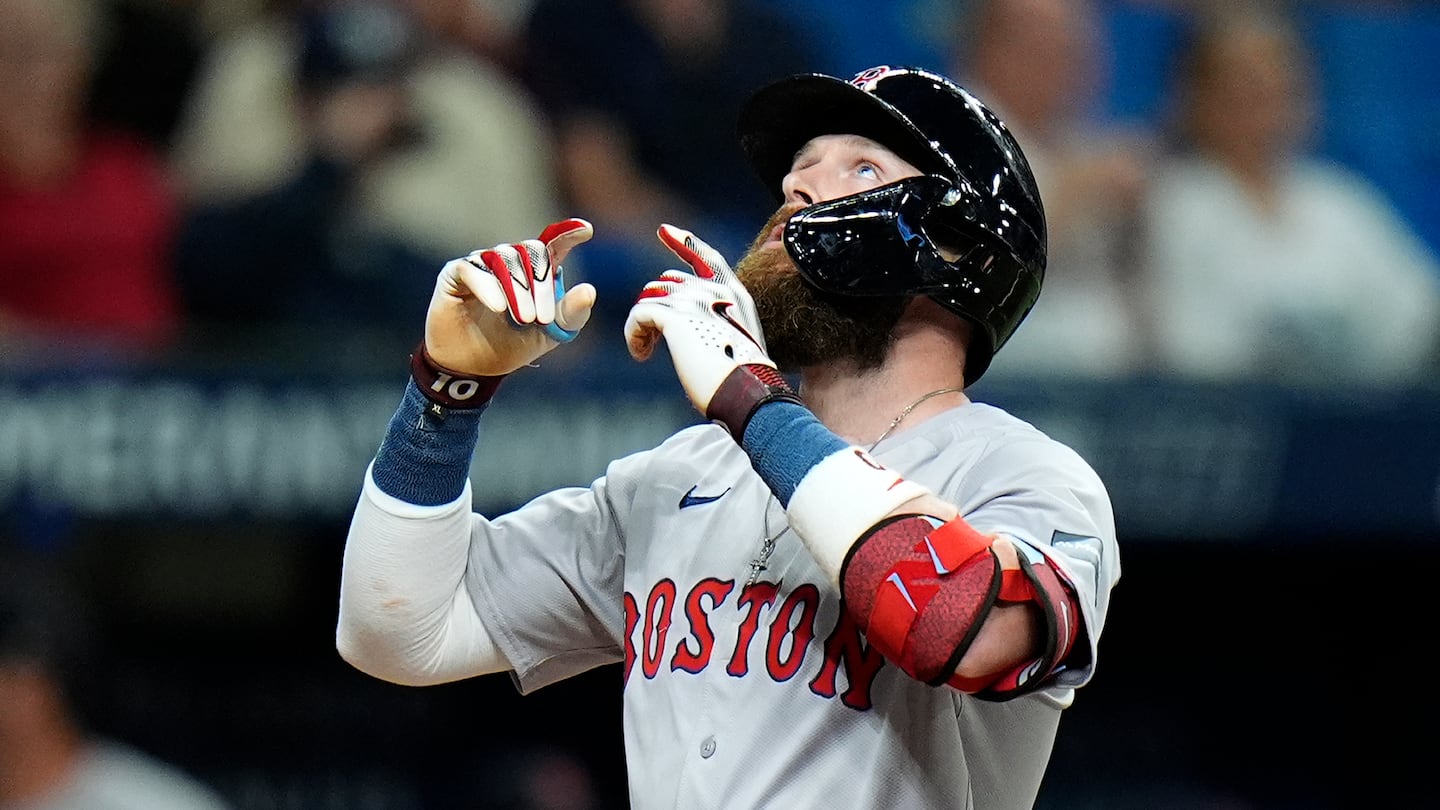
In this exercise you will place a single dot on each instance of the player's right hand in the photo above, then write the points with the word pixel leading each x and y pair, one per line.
pixel 496 310
pixel 706 317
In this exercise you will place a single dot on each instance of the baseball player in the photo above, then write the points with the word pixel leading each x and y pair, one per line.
pixel 868 591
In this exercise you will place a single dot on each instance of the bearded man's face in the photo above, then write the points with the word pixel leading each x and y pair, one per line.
pixel 806 327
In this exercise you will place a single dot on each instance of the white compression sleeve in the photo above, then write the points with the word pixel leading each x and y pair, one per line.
pixel 405 613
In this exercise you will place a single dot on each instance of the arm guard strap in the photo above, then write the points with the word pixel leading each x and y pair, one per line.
pixel 1040 582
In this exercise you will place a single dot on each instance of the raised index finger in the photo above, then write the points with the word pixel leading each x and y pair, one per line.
pixel 705 261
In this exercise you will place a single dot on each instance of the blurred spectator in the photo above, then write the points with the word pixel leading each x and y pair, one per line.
pixel 49 758
pixel 86 214
pixel 300 252
pixel 1265 261
pixel 489 28
pixel 337 154
pixel 479 138
pixel 146 66
pixel 848 33
pixel 1042 66
pixel 641 93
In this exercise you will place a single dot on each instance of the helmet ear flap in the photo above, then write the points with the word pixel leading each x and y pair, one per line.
pixel 959 255
pixel 873 243
pixel 953 243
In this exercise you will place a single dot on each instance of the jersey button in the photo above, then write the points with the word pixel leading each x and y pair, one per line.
pixel 707 747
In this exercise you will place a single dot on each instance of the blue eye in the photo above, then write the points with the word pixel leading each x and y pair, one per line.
pixel 867 170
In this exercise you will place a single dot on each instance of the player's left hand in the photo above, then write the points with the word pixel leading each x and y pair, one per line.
pixel 706 316
pixel 499 309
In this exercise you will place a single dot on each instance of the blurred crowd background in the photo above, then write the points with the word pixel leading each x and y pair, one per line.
pixel 220 222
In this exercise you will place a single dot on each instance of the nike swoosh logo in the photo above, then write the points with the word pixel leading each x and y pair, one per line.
pixel 690 499
pixel 894 579
pixel 722 308
pixel 940 569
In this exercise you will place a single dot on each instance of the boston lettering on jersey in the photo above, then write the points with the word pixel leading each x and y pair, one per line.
pixel 761 622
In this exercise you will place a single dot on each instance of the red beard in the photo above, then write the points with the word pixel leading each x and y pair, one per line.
pixel 806 327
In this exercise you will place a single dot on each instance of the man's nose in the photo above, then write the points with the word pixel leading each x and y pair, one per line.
pixel 798 187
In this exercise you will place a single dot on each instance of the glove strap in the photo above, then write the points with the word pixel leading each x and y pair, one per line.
pixel 742 392
pixel 448 388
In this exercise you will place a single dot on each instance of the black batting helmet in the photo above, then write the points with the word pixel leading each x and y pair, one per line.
pixel 979 199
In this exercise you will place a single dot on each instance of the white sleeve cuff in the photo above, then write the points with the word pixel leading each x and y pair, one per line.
pixel 840 499
pixel 404 509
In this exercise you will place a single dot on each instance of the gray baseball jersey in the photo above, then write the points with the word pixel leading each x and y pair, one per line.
pixel 762 693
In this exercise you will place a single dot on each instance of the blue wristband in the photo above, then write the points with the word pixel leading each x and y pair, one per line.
pixel 785 441
pixel 425 456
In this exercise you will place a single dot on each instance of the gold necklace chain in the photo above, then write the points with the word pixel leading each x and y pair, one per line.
pixel 767 546
pixel 908 408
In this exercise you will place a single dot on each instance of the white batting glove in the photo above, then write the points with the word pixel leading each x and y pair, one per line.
pixel 709 323
pixel 496 310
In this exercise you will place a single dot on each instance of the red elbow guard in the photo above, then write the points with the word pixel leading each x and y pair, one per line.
pixel 921 589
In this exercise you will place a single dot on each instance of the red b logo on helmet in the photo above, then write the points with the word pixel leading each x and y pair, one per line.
pixel 865 80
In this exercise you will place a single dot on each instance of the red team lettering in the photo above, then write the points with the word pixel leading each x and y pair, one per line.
pixel 657 624
pixel 632 620
pixel 716 590
pixel 861 663
pixel 807 598
pixel 789 631
pixel 754 597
